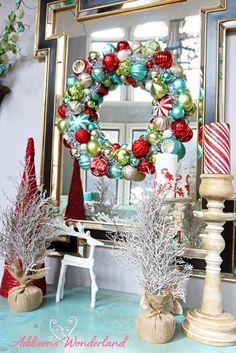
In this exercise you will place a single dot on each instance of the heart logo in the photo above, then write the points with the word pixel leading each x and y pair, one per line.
pixel 59 332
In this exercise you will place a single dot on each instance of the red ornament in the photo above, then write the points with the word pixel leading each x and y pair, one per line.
pixel 140 148
pixel 131 81
pixel 110 62
pixel 146 167
pixel 149 64
pixel 82 136
pixel 89 70
pixel 93 115
pixel 200 133
pixel 180 128
pixel 116 146
pixel 164 59
pixel 123 44
pixel 66 143
pixel 103 90
pixel 189 135
pixel 62 111
pixel 99 166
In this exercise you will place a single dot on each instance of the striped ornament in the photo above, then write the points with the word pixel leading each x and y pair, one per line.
pixel 217 148
pixel 163 106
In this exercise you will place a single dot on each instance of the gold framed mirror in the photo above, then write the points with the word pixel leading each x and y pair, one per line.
pixel 63 36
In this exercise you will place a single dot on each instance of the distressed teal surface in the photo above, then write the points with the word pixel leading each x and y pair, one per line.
pixel 114 316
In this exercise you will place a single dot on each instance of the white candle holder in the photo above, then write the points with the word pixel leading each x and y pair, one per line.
pixel 209 324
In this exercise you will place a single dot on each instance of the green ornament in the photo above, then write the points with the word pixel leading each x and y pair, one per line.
pixel 124 68
pixel 153 137
pixel 91 104
pixel 186 100
pixel 153 157
pixel 193 109
pixel 113 87
pixel 159 89
pixel 123 156
pixel 76 92
pixel 200 108
pixel 152 127
pixel 62 125
pixel 107 82
pixel 150 48
pixel 94 148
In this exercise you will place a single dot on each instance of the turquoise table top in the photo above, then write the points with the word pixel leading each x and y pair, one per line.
pixel 113 320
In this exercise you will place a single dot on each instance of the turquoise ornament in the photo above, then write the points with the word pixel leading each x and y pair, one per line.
pixel 97 98
pixel 71 80
pixel 66 101
pixel 167 77
pixel 3 68
pixel 199 152
pixel 177 112
pixel 181 151
pixel 179 85
pixel 76 122
pixel 115 171
pixel 138 72
pixel 84 161
pixel 108 49
pixel 115 78
pixel 134 161
pixel 98 74
pixel 20 27
pixel 100 139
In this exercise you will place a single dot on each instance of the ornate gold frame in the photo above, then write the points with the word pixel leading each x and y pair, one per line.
pixel 46 47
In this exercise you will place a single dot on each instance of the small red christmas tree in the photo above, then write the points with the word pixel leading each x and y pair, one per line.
pixel 75 207
pixel 29 177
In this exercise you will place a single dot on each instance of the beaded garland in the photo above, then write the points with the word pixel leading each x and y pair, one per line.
pixel 139 65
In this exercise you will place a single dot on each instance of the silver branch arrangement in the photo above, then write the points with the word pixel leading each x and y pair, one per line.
pixel 28 226
pixel 149 243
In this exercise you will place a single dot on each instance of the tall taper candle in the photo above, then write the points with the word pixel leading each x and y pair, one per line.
pixel 217 148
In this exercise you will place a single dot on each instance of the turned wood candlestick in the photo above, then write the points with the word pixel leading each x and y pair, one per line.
pixel 209 324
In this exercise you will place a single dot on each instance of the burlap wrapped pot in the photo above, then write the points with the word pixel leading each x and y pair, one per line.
pixel 155 324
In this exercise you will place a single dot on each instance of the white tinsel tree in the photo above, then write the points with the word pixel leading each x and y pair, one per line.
pixel 28 226
pixel 149 244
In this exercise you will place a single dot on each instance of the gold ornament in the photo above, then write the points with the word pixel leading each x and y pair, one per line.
pixel 193 109
pixel 186 100
pixel 159 89
pixel 139 177
pixel 94 148
pixel 129 173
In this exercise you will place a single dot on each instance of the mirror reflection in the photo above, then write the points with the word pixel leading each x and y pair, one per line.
pixel 126 111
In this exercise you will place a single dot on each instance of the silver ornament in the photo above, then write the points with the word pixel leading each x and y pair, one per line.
pixel 93 56
pixel 135 47
pixel 148 86
pixel 129 173
pixel 78 66
pixel 161 123
pixel 86 80
pixel 76 107
pixel 177 70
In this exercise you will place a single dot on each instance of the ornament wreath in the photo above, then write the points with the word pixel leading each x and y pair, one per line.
pixel 139 65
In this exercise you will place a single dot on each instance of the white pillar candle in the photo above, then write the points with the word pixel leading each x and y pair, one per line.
pixel 165 177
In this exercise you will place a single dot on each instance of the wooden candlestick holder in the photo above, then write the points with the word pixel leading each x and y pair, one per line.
pixel 209 324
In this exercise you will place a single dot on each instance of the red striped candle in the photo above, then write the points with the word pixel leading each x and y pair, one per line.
pixel 217 148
